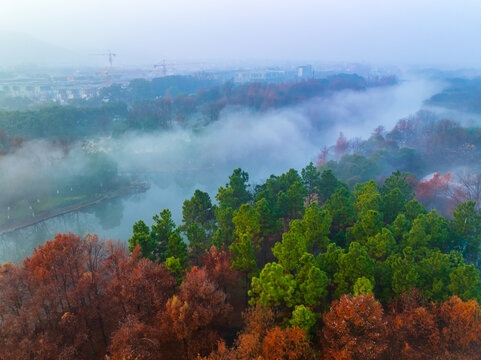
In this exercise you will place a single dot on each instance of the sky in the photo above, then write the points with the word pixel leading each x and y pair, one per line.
pixel 398 32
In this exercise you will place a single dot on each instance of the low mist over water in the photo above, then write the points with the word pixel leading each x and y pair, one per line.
pixel 178 161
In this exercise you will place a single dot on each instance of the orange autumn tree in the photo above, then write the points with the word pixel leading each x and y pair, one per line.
pixel 262 340
pixel 192 320
pixel 286 344
pixel 68 299
pixel 60 307
pixel 186 324
pixel 354 328
pixel 413 333
pixel 139 286
pixel 460 328
pixel 135 341
pixel 450 330
pixel 248 345
pixel 218 266
pixel 434 190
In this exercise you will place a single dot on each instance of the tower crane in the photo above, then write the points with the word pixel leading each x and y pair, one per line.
pixel 110 56
pixel 164 65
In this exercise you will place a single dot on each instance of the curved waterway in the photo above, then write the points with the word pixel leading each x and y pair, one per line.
pixel 110 219
pixel 177 162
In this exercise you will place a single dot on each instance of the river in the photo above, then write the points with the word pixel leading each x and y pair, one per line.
pixel 177 162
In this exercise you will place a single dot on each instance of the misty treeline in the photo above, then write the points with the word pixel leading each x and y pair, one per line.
pixel 461 94
pixel 162 103
pixel 9 143
pixel 299 267
pixel 442 155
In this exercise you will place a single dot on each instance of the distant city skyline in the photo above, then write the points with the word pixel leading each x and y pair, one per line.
pixel 438 33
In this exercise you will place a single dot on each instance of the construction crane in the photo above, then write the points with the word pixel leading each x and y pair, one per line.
pixel 164 65
pixel 110 55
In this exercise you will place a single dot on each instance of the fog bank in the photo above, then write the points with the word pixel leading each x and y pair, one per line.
pixel 178 161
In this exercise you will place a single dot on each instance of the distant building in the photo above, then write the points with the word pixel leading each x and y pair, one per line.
pixel 260 76
pixel 305 72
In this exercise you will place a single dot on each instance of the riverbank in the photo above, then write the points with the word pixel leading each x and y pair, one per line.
pixel 51 213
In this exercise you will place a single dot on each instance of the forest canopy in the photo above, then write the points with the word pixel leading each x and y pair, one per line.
pixel 310 263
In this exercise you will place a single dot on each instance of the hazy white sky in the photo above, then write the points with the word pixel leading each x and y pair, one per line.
pixel 142 31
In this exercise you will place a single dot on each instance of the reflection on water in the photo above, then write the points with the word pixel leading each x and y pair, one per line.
pixel 109 214
pixel 18 244
pixel 112 219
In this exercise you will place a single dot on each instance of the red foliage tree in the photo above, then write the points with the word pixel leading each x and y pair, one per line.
pixel 258 321
pixel 217 264
pixel 286 344
pixel 439 192
pixel 135 340
pixel 222 353
pixel 271 97
pixel 460 328
pixel 413 334
pixel 191 320
pixel 354 328
pixel 261 340
pixel 450 330
pixel 427 190
pixel 63 310
pixel 67 299
pixel 140 286
pixel 342 145
pixel 322 157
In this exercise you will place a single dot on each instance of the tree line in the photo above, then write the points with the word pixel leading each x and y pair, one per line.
pixel 162 103
pixel 299 267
